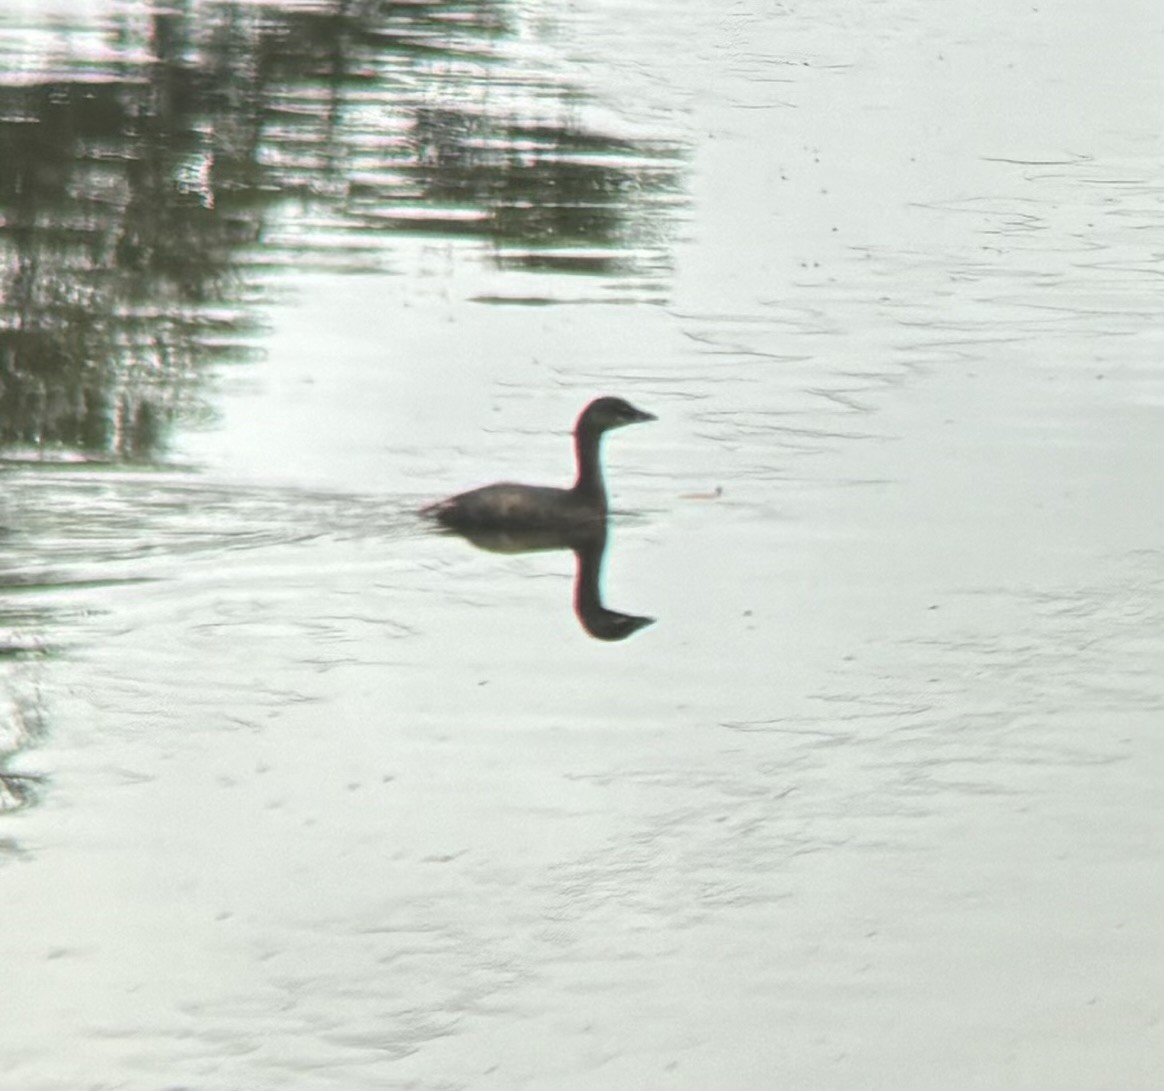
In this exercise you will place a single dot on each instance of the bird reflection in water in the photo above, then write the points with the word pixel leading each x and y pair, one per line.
pixel 589 546
pixel 509 518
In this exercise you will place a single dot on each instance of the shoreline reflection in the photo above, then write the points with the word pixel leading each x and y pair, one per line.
pixel 160 168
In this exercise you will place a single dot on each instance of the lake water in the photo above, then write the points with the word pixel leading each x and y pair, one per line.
pixel 295 793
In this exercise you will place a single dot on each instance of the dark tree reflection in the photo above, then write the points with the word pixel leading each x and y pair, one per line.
pixel 144 184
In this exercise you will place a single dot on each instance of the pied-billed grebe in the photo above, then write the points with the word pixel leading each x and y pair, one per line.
pixel 506 506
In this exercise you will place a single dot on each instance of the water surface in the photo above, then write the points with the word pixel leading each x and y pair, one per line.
pixel 298 794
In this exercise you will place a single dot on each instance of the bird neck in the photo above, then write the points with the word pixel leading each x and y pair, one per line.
pixel 587 451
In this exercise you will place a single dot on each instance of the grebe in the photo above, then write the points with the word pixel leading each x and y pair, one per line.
pixel 510 507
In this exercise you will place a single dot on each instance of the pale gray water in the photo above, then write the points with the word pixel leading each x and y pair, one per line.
pixel 326 801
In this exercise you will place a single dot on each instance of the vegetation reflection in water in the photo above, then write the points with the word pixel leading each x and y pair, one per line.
pixel 160 163
pixel 151 173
